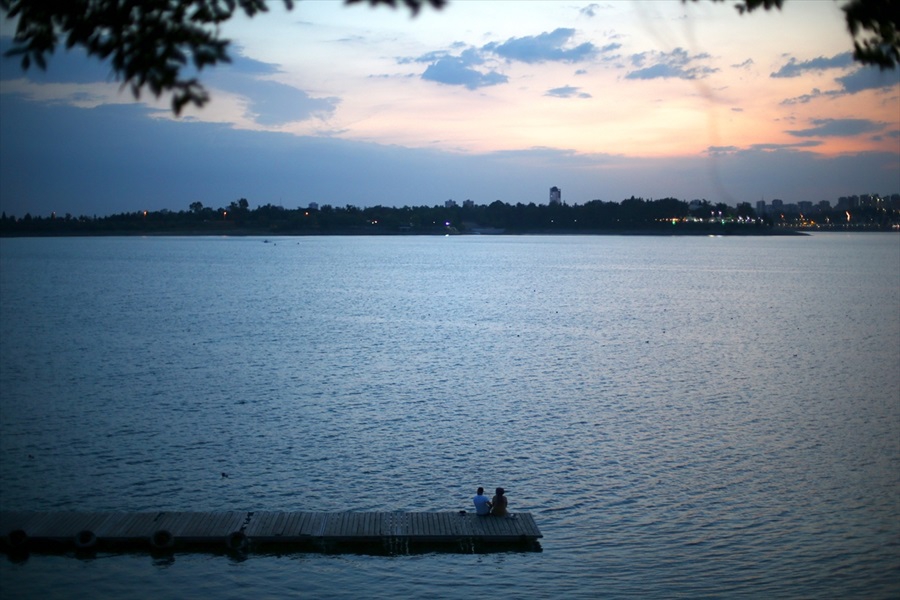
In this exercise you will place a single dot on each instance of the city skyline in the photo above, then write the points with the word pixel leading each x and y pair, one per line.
pixel 481 100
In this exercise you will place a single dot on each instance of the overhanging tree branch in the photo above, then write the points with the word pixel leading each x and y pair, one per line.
pixel 147 42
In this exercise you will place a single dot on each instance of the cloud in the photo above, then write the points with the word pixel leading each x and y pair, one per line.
pixel 453 70
pixel 859 80
pixel 462 69
pixel 733 150
pixel 463 65
pixel 672 65
pixel 794 146
pixel 592 10
pixel 868 78
pixel 459 70
pixel 269 102
pixel 796 69
pixel 806 98
pixel 567 92
pixel 722 149
pixel 545 47
pixel 837 128
pixel 609 48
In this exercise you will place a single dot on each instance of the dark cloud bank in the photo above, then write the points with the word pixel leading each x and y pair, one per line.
pixel 116 159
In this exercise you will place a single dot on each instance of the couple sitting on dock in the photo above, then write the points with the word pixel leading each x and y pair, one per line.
pixel 496 506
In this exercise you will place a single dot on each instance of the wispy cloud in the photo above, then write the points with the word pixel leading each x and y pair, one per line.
pixel 837 128
pixel 806 98
pixel 767 147
pixel 545 47
pixel 775 147
pixel 859 80
pixel 721 150
pixel 592 10
pixel 567 91
pixel 794 68
pixel 677 64
pixel 466 65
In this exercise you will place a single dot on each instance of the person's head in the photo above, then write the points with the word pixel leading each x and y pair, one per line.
pixel 499 491
pixel 480 491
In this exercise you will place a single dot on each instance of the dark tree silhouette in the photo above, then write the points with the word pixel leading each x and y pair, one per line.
pixel 151 42
pixel 665 216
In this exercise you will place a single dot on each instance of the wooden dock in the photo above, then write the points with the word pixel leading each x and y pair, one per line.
pixel 242 531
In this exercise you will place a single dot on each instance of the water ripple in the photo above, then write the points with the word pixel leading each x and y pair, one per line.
pixel 665 408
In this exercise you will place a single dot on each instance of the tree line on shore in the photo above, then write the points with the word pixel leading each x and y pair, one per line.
pixel 667 215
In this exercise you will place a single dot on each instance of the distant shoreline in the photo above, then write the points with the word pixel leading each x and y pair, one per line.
pixel 634 216
pixel 730 232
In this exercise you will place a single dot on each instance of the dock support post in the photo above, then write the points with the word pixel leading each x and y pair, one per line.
pixel 85 539
pixel 237 541
pixel 17 539
pixel 162 539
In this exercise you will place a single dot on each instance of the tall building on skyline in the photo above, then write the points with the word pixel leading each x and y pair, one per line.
pixel 555 195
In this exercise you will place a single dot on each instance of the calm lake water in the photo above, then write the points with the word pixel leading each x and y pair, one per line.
pixel 699 417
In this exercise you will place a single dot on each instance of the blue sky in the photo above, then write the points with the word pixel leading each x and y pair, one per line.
pixel 482 100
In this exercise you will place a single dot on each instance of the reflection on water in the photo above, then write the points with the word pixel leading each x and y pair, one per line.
pixel 704 416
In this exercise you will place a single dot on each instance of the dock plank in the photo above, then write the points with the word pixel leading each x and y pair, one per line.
pixel 140 525
pixel 271 526
pixel 112 524
pixel 318 524
pixel 194 523
pixel 214 524
pixel 257 527
pixel 296 524
pixel 281 523
pixel 178 524
pixel 219 523
pixel 284 523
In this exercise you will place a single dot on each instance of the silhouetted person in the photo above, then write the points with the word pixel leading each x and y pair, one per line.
pixel 482 504
pixel 498 503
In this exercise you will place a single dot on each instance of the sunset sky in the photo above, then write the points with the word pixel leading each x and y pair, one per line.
pixel 481 100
